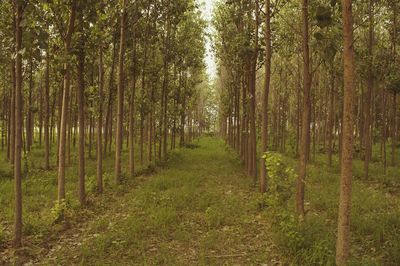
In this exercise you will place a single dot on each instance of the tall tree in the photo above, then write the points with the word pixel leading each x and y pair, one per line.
pixel 99 172
pixel 120 104
pixel 368 96
pixel 65 101
pixel 81 105
pixel 305 124
pixel 18 124
pixel 267 65
pixel 342 243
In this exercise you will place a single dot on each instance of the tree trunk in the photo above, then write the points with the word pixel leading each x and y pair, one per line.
pixel 99 151
pixel 47 111
pixel 81 113
pixel 370 81
pixel 305 128
pixel 64 106
pixel 132 114
pixel 120 105
pixel 331 117
pixel 110 99
pixel 18 127
pixel 343 243
pixel 264 128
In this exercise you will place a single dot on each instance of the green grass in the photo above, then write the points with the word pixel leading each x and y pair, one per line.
pixel 199 209
pixel 375 218
pixel 40 194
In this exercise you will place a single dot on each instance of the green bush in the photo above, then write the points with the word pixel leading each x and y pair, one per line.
pixel 281 180
pixel 302 240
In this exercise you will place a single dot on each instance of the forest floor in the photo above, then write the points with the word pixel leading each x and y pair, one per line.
pixel 200 209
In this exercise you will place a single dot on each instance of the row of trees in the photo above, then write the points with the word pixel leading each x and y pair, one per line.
pixel 307 101
pixel 86 70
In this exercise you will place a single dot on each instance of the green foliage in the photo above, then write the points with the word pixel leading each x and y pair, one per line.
pixel 301 240
pixel 323 16
pixel 281 180
pixel 60 210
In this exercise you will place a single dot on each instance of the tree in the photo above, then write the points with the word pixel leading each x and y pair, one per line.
pixel 305 124
pixel 267 65
pixel 368 97
pixel 99 172
pixel 342 242
pixel 81 106
pixel 65 102
pixel 121 84
pixel 18 124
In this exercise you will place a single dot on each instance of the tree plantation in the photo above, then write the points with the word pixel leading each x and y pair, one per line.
pixel 199 132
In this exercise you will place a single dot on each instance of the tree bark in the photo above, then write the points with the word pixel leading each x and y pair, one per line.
pixel 132 114
pixel 120 105
pixel 264 128
pixel 99 151
pixel 370 84
pixel 64 106
pixel 305 128
pixel 18 126
pixel 47 110
pixel 343 243
pixel 81 113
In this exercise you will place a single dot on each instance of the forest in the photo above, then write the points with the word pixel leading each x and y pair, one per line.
pixel 199 132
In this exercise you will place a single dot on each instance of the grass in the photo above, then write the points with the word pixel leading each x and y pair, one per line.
pixel 40 195
pixel 201 209
pixel 375 218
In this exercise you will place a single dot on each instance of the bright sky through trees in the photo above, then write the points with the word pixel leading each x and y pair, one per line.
pixel 207 9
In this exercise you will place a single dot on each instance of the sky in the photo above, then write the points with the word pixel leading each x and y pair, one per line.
pixel 207 9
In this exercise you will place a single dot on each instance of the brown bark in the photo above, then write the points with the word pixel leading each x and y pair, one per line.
pixel 107 129
pixel 305 128
pixel 64 106
pixel 252 167
pixel 99 151
pixel 132 115
pixel 331 117
pixel 120 105
pixel 343 243
pixel 80 94
pixel 368 96
pixel 47 111
pixel 264 128
pixel 18 127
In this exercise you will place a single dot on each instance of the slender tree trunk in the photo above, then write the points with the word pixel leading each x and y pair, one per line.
pixel 81 114
pixel 99 151
pixel 47 111
pixel 18 127
pixel 107 130
pixel 132 114
pixel 120 105
pixel 383 130
pixel 331 117
pixel 28 109
pixel 64 106
pixel 253 138
pixel 370 81
pixel 343 243
pixel 305 128
pixel 12 105
pixel 394 128
pixel 264 128
pixel 394 51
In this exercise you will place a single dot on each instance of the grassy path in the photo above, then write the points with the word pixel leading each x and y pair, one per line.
pixel 201 210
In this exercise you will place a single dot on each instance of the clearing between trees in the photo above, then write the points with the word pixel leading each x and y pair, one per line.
pixel 199 209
